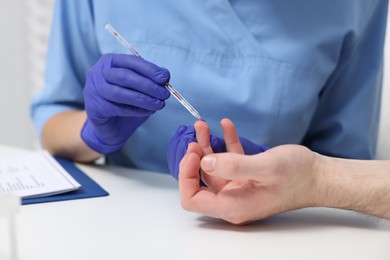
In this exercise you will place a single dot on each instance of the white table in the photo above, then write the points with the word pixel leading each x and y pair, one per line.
pixel 142 219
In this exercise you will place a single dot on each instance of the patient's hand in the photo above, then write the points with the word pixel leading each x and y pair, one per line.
pixel 243 188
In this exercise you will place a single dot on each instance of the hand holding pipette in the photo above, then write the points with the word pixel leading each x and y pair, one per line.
pixel 120 93
pixel 174 92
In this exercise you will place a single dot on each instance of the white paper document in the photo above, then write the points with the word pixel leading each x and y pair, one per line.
pixel 35 174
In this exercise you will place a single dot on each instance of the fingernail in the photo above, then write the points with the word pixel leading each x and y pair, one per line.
pixel 208 163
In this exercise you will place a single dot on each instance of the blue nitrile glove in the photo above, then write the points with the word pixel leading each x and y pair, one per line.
pixel 120 93
pixel 178 147
pixel 185 135
pixel 219 146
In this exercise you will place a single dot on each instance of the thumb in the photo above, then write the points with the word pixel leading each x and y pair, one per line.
pixel 231 166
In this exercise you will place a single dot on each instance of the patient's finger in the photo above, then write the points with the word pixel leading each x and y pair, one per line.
pixel 203 136
pixel 203 139
pixel 231 137
pixel 189 179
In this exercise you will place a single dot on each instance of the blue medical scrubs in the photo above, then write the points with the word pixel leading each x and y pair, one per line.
pixel 305 71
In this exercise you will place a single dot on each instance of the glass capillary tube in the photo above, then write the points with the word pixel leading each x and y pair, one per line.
pixel 173 91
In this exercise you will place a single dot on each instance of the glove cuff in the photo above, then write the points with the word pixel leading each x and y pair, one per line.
pixel 88 135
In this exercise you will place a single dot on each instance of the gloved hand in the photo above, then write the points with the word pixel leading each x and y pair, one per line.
pixel 178 147
pixel 120 93
pixel 186 134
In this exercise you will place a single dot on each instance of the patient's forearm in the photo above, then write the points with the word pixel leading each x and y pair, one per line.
pixel 61 136
pixel 358 185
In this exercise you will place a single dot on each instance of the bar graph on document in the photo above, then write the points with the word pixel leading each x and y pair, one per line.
pixel 33 175
pixel 11 179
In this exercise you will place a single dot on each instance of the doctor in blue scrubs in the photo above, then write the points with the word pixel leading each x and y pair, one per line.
pixel 301 72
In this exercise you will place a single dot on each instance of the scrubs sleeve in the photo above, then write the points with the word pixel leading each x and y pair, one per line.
pixel 72 50
pixel 346 121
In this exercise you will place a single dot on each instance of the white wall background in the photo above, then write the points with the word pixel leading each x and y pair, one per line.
pixel 15 128
pixel 22 43
pixel 23 36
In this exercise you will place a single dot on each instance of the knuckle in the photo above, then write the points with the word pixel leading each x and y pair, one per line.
pixel 115 93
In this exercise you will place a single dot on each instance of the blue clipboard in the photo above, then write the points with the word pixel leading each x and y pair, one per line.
pixel 89 188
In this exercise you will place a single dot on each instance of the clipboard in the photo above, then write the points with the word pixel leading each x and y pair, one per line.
pixel 89 188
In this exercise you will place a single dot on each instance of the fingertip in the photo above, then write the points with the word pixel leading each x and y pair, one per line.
pixel 199 124
pixel 225 121
pixel 162 76
pixel 163 92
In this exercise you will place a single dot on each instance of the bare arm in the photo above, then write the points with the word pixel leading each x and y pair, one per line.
pixel 362 186
pixel 61 136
